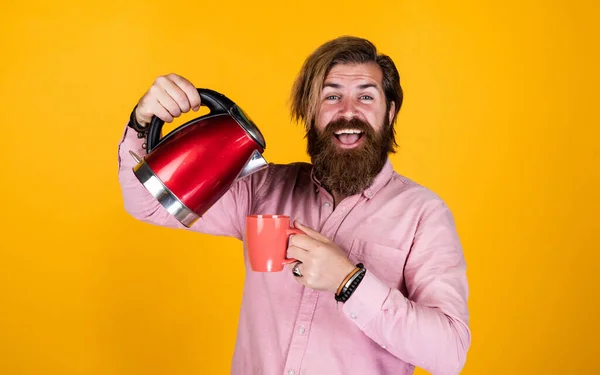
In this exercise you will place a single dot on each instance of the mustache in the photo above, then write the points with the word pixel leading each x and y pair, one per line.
pixel 344 123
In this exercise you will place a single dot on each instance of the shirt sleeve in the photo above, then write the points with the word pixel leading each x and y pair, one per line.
pixel 225 218
pixel 428 328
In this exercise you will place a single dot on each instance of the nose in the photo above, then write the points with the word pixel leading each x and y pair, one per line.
pixel 348 110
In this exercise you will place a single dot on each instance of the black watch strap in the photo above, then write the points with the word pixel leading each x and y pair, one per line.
pixel 141 131
pixel 352 284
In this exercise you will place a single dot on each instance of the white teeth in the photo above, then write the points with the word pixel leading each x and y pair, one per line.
pixel 347 131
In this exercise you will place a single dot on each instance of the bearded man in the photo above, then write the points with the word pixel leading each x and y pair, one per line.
pixel 396 240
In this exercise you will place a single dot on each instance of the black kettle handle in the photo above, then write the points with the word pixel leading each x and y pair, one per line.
pixel 216 102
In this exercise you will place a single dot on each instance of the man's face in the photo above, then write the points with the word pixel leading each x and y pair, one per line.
pixel 351 137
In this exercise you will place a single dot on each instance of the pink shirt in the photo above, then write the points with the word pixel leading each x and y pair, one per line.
pixel 409 310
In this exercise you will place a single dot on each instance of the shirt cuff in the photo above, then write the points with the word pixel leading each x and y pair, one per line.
pixel 130 142
pixel 367 300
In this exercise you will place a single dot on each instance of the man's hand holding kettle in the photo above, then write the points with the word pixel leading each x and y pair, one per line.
pixel 169 96
pixel 191 187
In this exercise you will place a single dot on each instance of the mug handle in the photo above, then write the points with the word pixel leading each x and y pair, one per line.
pixel 289 232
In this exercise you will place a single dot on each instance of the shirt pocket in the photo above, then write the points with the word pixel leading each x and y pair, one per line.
pixel 385 262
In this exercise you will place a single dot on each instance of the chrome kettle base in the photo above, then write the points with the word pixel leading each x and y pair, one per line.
pixel 167 199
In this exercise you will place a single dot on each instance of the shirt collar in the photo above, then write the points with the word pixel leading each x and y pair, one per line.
pixel 379 182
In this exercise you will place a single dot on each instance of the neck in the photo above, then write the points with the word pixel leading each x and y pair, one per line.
pixel 337 198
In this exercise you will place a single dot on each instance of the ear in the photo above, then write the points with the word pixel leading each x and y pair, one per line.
pixel 392 110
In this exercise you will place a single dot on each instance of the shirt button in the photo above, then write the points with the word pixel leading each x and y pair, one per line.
pixel 353 315
pixel 326 204
pixel 301 329
pixel 368 193
pixel 383 346
pixel 291 371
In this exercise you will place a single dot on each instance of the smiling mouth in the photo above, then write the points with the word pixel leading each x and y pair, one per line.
pixel 349 137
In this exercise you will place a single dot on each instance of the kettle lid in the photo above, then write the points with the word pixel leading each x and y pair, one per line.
pixel 247 124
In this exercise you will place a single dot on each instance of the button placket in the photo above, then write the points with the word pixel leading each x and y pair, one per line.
pixel 300 338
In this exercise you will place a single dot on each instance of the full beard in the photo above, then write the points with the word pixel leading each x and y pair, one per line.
pixel 349 171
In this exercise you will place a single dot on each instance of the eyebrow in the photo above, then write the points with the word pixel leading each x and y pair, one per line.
pixel 361 87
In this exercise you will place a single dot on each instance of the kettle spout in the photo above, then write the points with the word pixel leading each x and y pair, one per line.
pixel 254 164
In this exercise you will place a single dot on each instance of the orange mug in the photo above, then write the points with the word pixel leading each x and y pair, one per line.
pixel 267 241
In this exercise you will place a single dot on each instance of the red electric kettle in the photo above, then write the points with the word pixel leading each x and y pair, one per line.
pixel 190 168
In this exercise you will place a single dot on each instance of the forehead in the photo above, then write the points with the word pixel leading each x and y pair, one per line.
pixel 349 74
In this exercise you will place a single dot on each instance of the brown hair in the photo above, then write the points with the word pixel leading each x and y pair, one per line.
pixel 342 50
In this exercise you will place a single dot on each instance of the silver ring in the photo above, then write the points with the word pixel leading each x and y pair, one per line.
pixel 296 270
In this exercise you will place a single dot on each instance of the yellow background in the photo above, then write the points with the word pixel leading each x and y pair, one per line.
pixel 499 119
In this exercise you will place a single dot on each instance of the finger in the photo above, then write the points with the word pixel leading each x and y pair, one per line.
pixel 176 94
pixel 189 90
pixel 162 113
pixel 311 232
pixel 297 253
pixel 155 108
pixel 168 103
pixel 305 242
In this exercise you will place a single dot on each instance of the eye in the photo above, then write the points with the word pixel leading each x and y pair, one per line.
pixel 332 97
pixel 366 97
